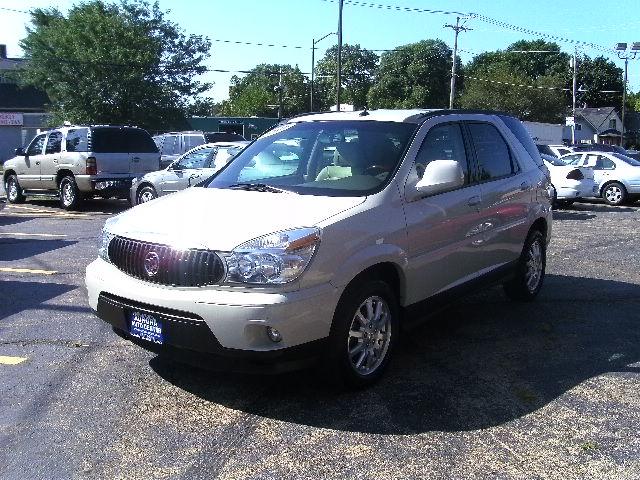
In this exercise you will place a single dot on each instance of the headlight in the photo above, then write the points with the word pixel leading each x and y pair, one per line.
pixel 273 259
pixel 103 244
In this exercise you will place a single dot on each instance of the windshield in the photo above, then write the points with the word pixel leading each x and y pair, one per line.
pixel 631 161
pixel 335 158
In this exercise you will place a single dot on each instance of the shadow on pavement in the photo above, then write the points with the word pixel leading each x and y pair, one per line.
pixel 571 215
pixel 482 363
pixel 20 248
pixel 599 207
pixel 17 296
pixel 109 206
pixel 11 220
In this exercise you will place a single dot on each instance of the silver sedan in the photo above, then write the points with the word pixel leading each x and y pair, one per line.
pixel 191 168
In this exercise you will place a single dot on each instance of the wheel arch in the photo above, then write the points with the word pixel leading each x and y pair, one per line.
pixel 609 182
pixel 6 175
pixel 61 174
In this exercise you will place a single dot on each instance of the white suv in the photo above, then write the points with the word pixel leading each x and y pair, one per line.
pixel 316 238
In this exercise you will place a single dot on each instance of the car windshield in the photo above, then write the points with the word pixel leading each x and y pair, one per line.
pixel 335 158
pixel 631 161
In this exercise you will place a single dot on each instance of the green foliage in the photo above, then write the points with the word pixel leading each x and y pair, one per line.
pixel 114 63
pixel 595 75
pixel 492 79
pixel 202 107
pixel 412 76
pixel 257 94
pixel 359 67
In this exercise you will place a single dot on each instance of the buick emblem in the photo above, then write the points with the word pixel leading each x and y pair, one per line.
pixel 151 264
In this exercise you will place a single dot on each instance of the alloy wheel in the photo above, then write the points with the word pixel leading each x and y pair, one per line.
pixel 613 194
pixel 369 335
pixel 12 190
pixel 68 195
pixel 534 266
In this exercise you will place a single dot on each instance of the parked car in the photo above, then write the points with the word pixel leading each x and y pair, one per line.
pixel 78 162
pixel 617 176
pixel 554 150
pixel 568 182
pixel 174 144
pixel 193 167
pixel 302 264
pixel 635 154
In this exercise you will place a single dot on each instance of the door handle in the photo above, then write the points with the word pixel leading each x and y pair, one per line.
pixel 37 163
pixel 525 186
pixel 136 159
pixel 474 201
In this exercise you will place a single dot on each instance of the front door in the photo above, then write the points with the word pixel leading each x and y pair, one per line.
pixel 50 160
pixel 188 171
pixel 29 169
pixel 444 240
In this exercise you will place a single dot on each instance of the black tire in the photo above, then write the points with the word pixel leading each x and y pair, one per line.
pixel 614 193
pixel 70 198
pixel 13 190
pixel 350 330
pixel 530 272
pixel 145 194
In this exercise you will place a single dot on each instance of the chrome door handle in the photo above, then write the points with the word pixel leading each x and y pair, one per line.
pixel 37 163
pixel 474 201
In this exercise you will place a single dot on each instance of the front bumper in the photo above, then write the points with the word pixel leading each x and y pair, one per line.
pixel 214 320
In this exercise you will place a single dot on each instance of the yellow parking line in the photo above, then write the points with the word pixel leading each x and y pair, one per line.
pixel 4 360
pixel 31 209
pixel 27 270
pixel 17 234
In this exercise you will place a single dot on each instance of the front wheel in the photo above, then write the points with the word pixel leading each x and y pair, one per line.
pixel 364 331
pixel 146 194
pixel 614 193
pixel 530 270
pixel 70 198
pixel 13 190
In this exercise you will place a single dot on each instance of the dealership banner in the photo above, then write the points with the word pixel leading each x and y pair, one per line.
pixel 11 119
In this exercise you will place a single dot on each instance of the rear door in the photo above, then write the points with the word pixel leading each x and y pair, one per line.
pixel 143 152
pixel 507 194
pixel 50 159
pixel 108 146
pixel 29 167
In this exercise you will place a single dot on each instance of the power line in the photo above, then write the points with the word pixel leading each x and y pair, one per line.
pixel 238 42
pixel 398 8
pixel 539 87
pixel 14 10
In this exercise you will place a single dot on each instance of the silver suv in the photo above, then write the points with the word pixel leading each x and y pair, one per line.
pixel 76 162
pixel 318 238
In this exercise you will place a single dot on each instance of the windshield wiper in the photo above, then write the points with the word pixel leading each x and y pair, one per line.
pixel 256 187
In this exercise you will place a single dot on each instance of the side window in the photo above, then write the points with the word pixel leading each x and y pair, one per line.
pixel 191 141
pixel 607 163
pixel 35 148
pixel 197 159
pixel 76 140
pixel 572 159
pixel 494 158
pixel 54 142
pixel 171 145
pixel 443 142
pixel 524 137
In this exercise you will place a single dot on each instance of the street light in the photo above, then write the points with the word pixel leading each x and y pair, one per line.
pixel 313 63
pixel 621 50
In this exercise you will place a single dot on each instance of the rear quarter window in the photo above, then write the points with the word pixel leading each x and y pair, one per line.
pixel 77 140
pixel 523 137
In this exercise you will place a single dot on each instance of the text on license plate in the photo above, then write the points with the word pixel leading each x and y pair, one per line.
pixel 146 327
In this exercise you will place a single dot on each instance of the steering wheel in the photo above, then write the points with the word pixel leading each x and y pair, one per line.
pixel 375 170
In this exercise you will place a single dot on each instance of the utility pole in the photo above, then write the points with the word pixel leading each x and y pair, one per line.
pixel 456 28
pixel 575 84
pixel 339 73
pixel 280 90
pixel 621 49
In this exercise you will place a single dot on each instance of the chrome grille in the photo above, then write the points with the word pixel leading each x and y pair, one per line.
pixel 184 268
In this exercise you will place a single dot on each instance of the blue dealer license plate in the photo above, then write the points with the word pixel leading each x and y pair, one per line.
pixel 146 327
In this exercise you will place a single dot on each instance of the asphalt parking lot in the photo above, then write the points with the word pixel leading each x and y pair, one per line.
pixel 487 389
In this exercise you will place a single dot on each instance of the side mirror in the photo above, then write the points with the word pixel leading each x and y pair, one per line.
pixel 441 176
pixel 19 152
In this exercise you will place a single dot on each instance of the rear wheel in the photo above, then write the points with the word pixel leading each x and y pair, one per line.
pixel 146 194
pixel 530 270
pixel 70 198
pixel 364 331
pixel 614 193
pixel 13 190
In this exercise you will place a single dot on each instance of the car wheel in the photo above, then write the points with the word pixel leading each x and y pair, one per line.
pixel 530 270
pixel 614 193
pixel 364 331
pixel 70 198
pixel 146 194
pixel 13 190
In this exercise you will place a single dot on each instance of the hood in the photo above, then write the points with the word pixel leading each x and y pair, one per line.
pixel 222 219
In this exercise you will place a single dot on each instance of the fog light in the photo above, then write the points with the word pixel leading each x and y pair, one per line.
pixel 273 334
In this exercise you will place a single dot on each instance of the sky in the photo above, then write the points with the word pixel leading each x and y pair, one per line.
pixel 295 23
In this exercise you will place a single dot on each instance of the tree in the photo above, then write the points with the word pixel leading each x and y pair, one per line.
pixel 202 107
pixel 114 63
pixel 413 75
pixel 359 66
pixel 528 85
pixel 257 94
pixel 596 77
